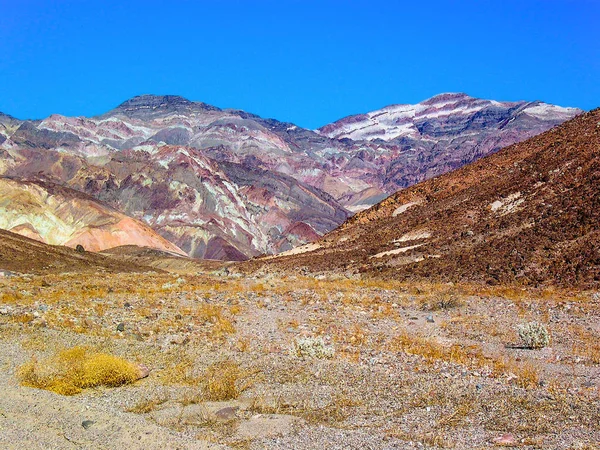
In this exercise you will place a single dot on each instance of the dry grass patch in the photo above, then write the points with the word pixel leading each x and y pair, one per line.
pixel 78 368
pixel 147 405
pixel 525 374
pixel 226 380
pixel 10 297
pixel 333 412
pixel 432 350
pixel 181 373
pixel 214 314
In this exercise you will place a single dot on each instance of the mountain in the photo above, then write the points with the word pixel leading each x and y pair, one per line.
pixel 443 133
pixel 227 184
pixel 446 116
pixel 57 215
pixel 528 214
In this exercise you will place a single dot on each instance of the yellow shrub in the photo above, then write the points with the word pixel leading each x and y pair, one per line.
pixel 78 368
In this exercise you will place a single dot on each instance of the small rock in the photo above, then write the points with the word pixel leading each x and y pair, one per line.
pixel 479 387
pixel 176 339
pixel 127 305
pixel 143 371
pixel 87 423
pixel 505 439
pixel 121 327
pixel 228 413
pixel 5 310
pixel 430 318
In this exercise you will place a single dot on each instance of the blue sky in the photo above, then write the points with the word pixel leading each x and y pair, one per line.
pixel 307 62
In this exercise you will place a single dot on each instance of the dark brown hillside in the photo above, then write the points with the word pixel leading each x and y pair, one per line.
pixel 529 214
pixel 23 255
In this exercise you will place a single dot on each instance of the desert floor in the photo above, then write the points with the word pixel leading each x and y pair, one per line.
pixel 395 365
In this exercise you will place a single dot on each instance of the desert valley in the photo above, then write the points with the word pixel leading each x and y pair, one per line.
pixel 176 275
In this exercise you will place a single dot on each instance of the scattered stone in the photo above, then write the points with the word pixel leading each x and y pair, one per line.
pixel 87 423
pixel 430 318
pixel 5 310
pixel 127 305
pixel 176 339
pixel 143 371
pixel 121 327
pixel 228 413
pixel 505 439
pixel 79 248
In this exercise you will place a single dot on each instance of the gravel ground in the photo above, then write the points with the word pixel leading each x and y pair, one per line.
pixel 430 366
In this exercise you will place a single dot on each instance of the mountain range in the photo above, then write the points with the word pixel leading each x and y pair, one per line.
pixel 226 184
pixel 529 214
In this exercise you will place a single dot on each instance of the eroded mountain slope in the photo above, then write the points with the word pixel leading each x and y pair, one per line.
pixel 528 214
pixel 57 215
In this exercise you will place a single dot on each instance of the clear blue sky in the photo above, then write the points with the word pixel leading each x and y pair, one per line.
pixel 308 62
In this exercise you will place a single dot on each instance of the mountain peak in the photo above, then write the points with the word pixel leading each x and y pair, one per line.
pixel 153 105
pixel 154 101
pixel 446 97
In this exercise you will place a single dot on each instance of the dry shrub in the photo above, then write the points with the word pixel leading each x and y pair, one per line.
pixel 311 347
pixel 242 344
pixel 225 380
pixel 525 374
pixel 181 373
pixel 534 335
pixel 442 301
pixel 214 314
pixel 10 297
pixel 147 405
pixel 78 368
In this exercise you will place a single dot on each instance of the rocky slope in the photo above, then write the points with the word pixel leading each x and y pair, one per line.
pixel 20 254
pixel 528 214
pixel 57 215
pixel 226 184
